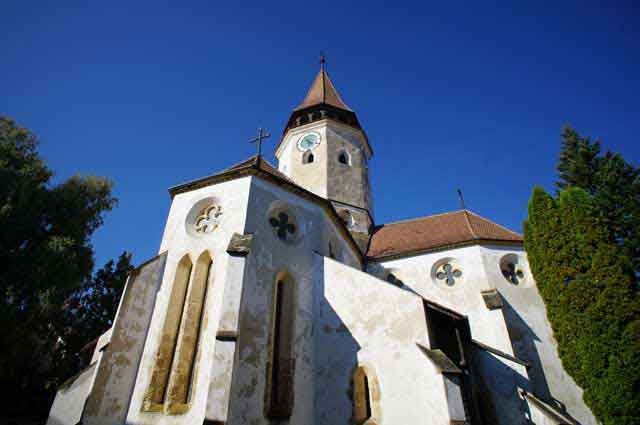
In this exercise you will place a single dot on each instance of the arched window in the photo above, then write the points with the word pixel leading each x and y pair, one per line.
pixel 307 157
pixel 364 388
pixel 280 372
pixel 347 218
pixel 343 158
pixel 181 376
pixel 171 377
pixel 154 397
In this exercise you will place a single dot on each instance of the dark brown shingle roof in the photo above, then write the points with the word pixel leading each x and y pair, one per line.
pixel 441 230
pixel 322 91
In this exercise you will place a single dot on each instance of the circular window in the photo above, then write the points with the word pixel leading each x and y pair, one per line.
pixel 283 223
pixel 204 217
pixel 512 270
pixel 447 272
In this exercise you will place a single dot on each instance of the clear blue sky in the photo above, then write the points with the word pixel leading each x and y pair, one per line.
pixel 451 94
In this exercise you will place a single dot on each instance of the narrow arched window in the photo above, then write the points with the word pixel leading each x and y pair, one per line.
pixel 308 157
pixel 343 158
pixel 280 372
pixel 154 397
pixel 181 375
pixel 362 408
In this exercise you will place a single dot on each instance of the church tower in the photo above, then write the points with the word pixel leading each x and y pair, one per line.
pixel 325 150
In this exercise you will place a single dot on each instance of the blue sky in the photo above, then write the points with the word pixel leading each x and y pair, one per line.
pixel 450 94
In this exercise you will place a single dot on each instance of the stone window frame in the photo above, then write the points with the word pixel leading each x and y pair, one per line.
pixel 343 153
pixel 308 157
pixel 173 374
pixel 347 218
pixel 521 275
pixel 208 208
pixel 366 408
pixel 459 278
pixel 280 371
pixel 274 212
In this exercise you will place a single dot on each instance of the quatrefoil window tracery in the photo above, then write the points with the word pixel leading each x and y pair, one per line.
pixel 448 274
pixel 283 226
pixel 208 220
pixel 512 273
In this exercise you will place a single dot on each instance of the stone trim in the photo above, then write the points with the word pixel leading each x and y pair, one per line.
pixel 492 299
pixel 447 247
pixel 440 360
pixel 240 245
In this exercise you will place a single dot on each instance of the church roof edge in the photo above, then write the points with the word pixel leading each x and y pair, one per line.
pixel 436 232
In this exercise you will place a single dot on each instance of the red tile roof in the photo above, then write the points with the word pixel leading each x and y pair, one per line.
pixel 436 231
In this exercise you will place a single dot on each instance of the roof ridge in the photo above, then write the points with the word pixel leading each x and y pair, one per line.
pixel 497 224
pixel 407 220
pixel 466 216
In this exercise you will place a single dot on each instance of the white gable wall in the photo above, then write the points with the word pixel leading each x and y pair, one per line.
pixel 232 196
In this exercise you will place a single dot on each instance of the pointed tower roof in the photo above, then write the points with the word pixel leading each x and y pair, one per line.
pixel 322 91
pixel 323 102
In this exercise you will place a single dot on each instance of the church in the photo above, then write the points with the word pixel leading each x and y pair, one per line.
pixel 276 298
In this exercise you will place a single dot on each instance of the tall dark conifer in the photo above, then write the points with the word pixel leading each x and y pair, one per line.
pixel 581 246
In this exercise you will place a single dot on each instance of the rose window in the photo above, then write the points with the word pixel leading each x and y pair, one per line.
pixel 208 219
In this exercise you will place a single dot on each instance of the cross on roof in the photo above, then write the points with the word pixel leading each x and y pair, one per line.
pixel 261 135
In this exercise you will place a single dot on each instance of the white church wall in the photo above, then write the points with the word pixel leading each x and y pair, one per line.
pixel 532 336
pixel 118 363
pixel 69 402
pixel 270 256
pixel 464 296
pixel 420 274
pixel 180 239
pixel 361 320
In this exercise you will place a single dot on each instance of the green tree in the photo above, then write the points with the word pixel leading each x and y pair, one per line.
pixel 614 184
pixel 87 314
pixel 586 274
pixel 46 255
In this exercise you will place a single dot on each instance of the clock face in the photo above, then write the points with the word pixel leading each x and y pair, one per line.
pixel 308 142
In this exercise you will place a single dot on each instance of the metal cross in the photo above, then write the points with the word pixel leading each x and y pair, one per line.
pixel 261 135
pixel 322 59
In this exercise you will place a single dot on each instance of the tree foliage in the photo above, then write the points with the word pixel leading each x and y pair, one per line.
pixel 580 245
pixel 47 259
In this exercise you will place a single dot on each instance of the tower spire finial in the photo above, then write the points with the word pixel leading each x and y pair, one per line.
pixel 322 60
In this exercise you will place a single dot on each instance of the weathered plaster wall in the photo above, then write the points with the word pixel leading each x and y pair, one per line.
pixel 532 336
pixel 326 176
pixel 270 256
pixel 489 327
pixel 116 368
pixel 179 240
pixel 69 402
pixel 363 320
pixel 312 176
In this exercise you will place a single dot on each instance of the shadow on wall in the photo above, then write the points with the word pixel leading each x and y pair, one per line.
pixel 336 356
pixel 523 340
